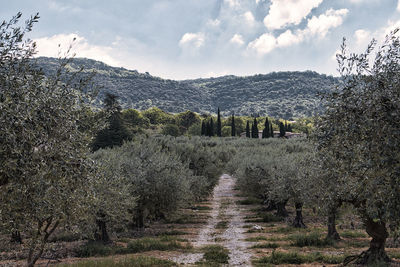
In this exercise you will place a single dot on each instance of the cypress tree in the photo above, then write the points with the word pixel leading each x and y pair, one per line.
pixel 266 131
pixel 248 129
pixel 211 127
pixel 233 128
pixel 203 128
pixel 282 130
pixel 272 132
pixel 219 134
pixel 254 132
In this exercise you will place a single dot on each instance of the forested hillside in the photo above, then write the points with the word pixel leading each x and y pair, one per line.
pixel 280 94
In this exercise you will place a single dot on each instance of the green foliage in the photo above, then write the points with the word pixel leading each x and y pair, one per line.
pixel 358 142
pixel 170 129
pixel 46 131
pixel 158 116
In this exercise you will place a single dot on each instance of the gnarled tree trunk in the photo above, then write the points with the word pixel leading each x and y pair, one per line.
pixel 332 232
pixel 376 252
pixel 298 221
pixel 281 209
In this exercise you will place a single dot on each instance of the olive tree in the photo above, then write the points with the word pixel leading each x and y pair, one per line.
pixel 361 129
pixel 44 142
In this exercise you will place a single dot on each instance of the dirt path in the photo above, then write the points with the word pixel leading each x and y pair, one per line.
pixel 225 227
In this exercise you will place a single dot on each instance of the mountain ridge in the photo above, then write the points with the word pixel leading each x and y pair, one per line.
pixel 285 94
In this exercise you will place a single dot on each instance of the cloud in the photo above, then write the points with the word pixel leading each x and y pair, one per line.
pixel 398 5
pixel 49 47
pixel 288 38
pixel 195 40
pixel 248 17
pixel 232 3
pixel 363 37
pixel 323 23
pixel 263 44
pixel 285 12
pixel 237 39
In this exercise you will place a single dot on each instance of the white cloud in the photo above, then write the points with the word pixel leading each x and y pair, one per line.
pixel 363 37
pixel 248 17
pixel 323 23
pixel 232 3
pixel 49 47
pixel 398 5
pixel 286 12
pixel 288 38
pixel 263 44
pixel 192 40
pixel 237 39
pixel 213 22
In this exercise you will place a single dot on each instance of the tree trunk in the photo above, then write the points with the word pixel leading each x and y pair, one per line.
pixel 103 234
pixel 281 209
pixel 332 232
pixel 271 205
pixel 298 221
pixel 16 237
pixel 376 252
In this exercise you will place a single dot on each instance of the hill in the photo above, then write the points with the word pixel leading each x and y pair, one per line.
pixel 278 94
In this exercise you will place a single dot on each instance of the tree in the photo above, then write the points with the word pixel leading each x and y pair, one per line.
pixel 46 131
pixel 282 130
pixel 254 129
pixel 233 128
pixel 219 126
pixel 360 129
pixel 248 130
pixel 211 133
pixel 170 129
pixel 187 119
pixel 116 132
pixel 266 130
pixel 203 128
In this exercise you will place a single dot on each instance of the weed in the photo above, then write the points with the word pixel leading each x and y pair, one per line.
pixel 313 239
pixel 266 245
pixel 352 234
pixel 147 244
pixel 201 208
pixel 294 258
pixel 256 239
pixel 172 232
pixel 222 225
pixel 215 254
pixel 249 201
pixel 140 261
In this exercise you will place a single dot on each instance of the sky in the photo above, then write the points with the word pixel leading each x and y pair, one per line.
pixel 185 39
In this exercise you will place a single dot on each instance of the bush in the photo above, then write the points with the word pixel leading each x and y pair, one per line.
pixel 148 244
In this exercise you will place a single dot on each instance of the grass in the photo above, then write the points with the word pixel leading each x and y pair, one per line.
pixel 140 261
pixel 295 258
pixel 148 244
pixel 249 201
pixel 353 234
pixel 289 229
pixel 214 254
pixel 310 240
pixel 65 237
pixel 91 249
pixel 256 239
pixel 172 232
pixel 266 245
pixel 222 225
pixel 201 208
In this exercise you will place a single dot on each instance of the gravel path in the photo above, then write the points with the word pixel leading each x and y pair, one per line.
pixel 224 209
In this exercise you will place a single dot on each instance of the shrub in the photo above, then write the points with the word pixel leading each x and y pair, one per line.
pixel 313 239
